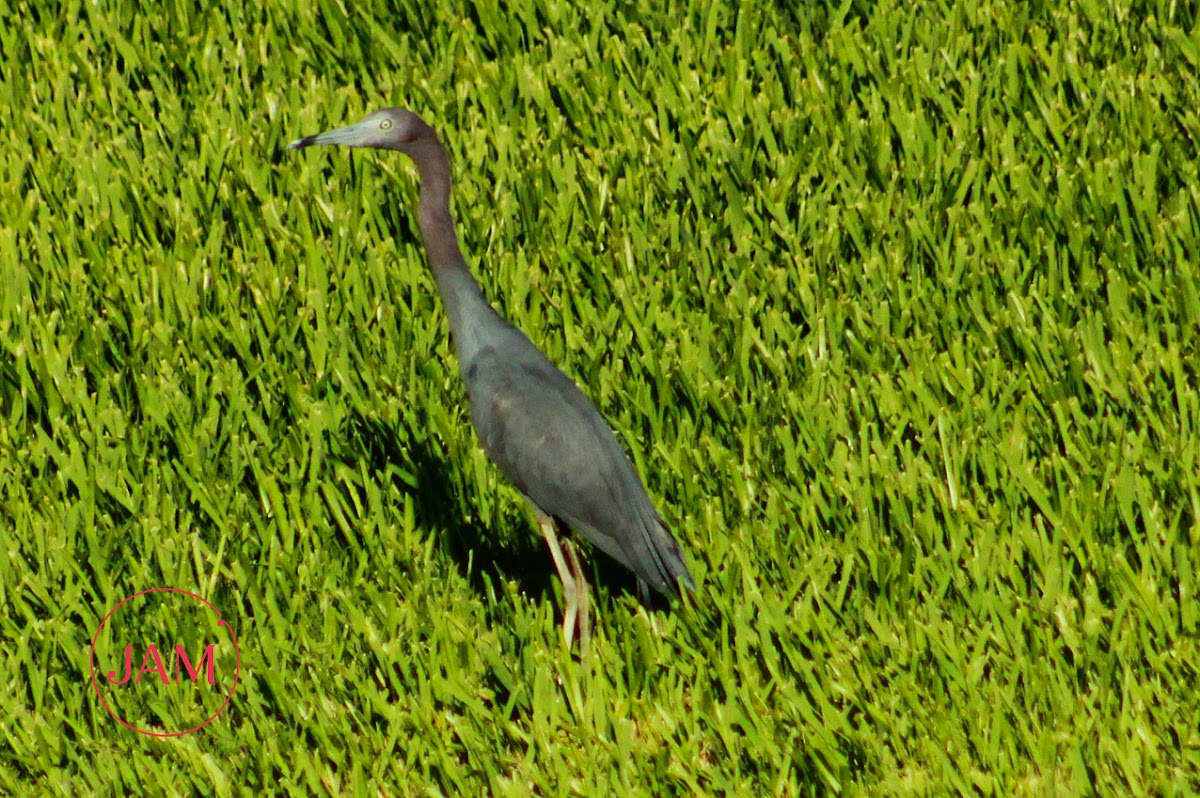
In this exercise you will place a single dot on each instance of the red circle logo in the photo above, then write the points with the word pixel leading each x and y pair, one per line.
pixel 164 662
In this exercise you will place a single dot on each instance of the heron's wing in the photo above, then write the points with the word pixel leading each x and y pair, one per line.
pixel 549 439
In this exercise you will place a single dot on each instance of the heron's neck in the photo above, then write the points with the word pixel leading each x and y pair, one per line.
pixel 468 311
pixel 437 228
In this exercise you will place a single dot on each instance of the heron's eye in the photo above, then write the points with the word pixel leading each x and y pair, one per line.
pixel 385 124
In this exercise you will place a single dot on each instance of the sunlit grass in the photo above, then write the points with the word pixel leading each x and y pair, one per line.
pixel 895 307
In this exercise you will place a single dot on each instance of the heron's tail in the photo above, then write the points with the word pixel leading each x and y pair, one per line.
pixel 669 569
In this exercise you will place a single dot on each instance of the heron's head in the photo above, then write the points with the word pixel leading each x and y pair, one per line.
pixel 388 129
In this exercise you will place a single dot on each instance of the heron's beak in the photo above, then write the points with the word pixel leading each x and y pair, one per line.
pixel 352 136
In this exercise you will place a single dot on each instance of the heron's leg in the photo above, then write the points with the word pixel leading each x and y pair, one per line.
pixel 565 573
pixel 582 597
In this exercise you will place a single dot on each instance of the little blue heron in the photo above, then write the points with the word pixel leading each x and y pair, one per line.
pixel 533 421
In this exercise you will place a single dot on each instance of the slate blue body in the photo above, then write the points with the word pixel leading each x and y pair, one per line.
pixel 533 421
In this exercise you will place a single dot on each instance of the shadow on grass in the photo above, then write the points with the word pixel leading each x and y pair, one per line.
pixel 442 505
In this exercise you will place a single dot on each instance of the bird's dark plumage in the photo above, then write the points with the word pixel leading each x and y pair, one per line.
pixel 533 421
pixel 554 445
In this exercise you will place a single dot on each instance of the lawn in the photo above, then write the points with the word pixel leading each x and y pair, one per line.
pixel 896 308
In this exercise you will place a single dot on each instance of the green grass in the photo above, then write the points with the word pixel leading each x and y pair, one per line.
pixel 895 306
